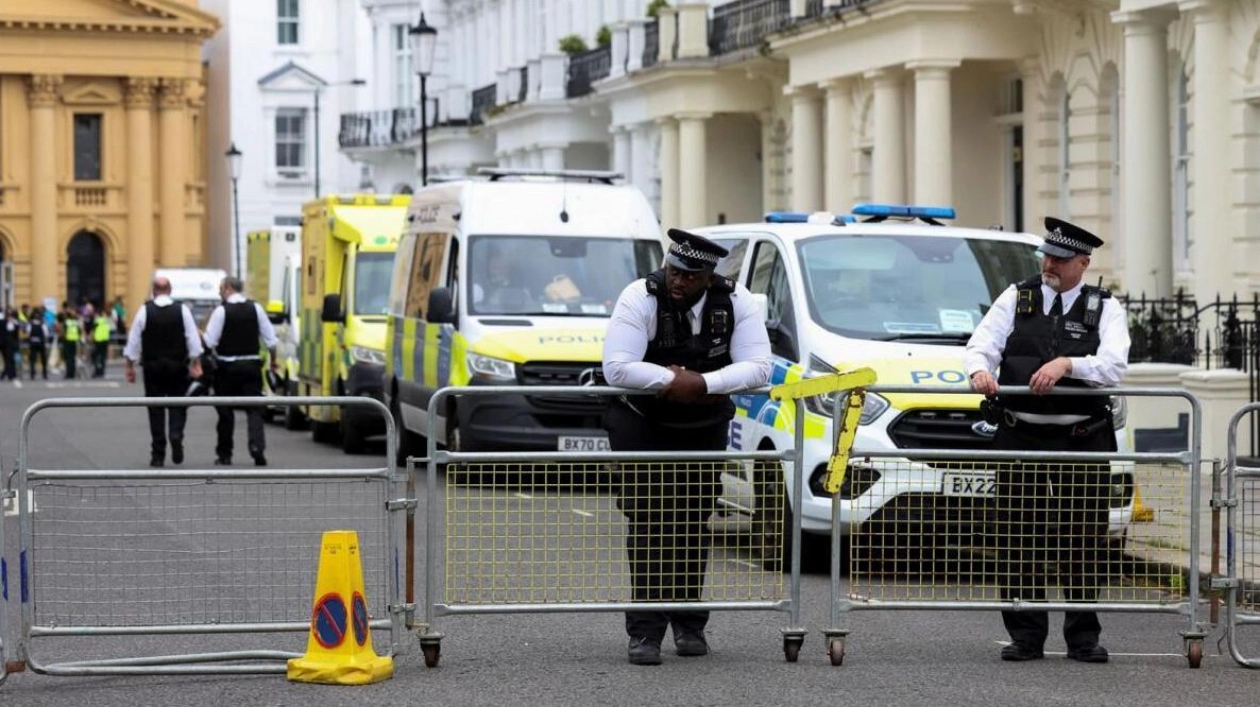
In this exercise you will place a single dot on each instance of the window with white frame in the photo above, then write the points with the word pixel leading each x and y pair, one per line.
pixel 1065 155
pixel 288 20
pixel 1181 174
pixel 291 141
pixel 404 78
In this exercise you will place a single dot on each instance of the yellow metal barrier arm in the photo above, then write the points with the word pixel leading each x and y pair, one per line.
pixel 852 381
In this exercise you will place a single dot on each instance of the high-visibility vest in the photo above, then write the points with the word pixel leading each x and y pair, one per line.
pixel 100 332
pixel 72 330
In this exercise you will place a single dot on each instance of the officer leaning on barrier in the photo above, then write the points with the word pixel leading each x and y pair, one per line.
pixel 233 331
pixel 1046 332
pixel 165 342
pixel 693 337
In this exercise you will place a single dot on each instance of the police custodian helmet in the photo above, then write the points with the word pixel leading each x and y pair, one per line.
pixel 1063 240
pixel 691 252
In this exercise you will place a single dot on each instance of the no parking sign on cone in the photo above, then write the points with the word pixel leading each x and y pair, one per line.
pixel 339 649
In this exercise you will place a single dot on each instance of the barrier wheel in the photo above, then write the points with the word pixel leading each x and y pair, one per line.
pixel 792 647
pixel 835 650
pixel 432 652
pixel 1194 653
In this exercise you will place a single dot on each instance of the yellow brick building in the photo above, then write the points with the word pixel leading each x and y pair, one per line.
pixel 102 146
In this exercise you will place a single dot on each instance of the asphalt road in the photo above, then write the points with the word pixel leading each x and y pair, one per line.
pixel 899 658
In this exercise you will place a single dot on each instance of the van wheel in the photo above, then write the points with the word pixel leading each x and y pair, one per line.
pixel 352 440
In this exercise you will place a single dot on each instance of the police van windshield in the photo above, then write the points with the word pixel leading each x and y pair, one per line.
pixel 557 275
pixel 372 274
pixel 903 288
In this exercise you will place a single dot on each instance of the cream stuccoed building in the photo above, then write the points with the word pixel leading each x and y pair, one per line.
pixel 1137 119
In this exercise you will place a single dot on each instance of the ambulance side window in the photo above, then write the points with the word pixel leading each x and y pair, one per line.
pixel 769 277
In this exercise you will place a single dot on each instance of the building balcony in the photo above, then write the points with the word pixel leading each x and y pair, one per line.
pixel 89 198
pixel 651 42
pixel 384 128
pixel 483 101
pixel 195 198
pixel 744 24
pixel 587 68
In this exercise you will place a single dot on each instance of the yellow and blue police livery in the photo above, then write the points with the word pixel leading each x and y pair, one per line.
pixel 891 288
pixel 510 280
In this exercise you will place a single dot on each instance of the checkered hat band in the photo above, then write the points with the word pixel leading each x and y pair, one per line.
pixel 1056 237
pixel 682 250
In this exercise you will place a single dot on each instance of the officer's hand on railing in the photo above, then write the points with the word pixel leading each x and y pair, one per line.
pixel 687 386
pixel 983 382
pixel 1043 380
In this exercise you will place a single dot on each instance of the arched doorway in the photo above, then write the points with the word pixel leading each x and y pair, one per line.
pixel 85 269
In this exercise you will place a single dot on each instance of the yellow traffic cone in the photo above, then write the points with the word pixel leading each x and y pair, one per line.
pixel 339 649
pixel 1142 513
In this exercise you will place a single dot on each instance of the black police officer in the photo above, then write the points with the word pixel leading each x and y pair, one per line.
pixel 692 337
pixel 1046 332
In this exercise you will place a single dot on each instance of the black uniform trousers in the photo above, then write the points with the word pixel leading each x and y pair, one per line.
pixel 38 352
pixel 8 350
pixel 666 508
pixel 166 379
pixel 239 378
pixel 70 356
pixel 1052 517
pixel 100 352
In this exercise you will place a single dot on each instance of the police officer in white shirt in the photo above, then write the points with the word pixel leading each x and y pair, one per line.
pixel 1052 331
pixel 693 337
pixel 233 332
pixel 165 342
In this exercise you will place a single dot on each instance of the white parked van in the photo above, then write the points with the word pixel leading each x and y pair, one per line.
pixel 901 293
pixel 196 287
pixel 510 280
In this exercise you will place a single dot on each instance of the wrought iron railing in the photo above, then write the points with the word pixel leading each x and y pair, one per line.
pixel 524 94
pixel 651 42
pixel 382 128
pixel 483 99
pixel 742 24
pixel 1162 330
pixel 587 68
pixel 813 8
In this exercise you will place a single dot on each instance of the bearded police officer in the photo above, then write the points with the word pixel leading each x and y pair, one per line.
pixel 1051 332
pixel 234 330
pixel 692 337
pixel 165 342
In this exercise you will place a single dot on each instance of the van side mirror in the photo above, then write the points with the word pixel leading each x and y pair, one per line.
pixel 332 313
pixel 441 309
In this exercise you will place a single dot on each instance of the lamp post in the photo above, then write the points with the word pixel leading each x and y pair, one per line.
pixel 234 166
pixel 318 90
pixel 423 38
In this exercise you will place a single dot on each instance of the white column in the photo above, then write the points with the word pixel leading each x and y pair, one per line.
pixel 933 156
pixel 1146 175
pixel 553 157
pixel 535 159
pixel 888 181
pixel 621 152
pixel 640 160
pixel 838 147
pixel 1210 236
pixel 520 51
pixel 693 173
pixel 807 161
pixel 669 172
pixel 1034 155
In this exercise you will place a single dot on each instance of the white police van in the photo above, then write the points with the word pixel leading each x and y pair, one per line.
pixel 891 288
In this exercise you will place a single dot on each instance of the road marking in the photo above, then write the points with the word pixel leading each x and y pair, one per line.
pixel 584 514
pixel 82 384
pixel 9 505
pixel 525 496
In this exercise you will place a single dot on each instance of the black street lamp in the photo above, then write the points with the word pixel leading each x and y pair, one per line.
pixel 423 38
pixel 234 166
pixel 318 90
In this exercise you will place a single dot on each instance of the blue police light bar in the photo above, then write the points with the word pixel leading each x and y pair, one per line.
pixel 900 211
pixel 842 219
pixel 787 217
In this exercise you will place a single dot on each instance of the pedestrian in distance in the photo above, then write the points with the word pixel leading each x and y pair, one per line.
pixel 164 340
pixel 37 337
pixel 101 333
pixel 233 332
pixel 691 337
pixel 1048 332
pixel 10 341
pixel 69 330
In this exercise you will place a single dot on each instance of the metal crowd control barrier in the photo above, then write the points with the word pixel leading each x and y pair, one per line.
pixel 8 499
pixel 167 551
pixel 960 529
pixel 1242 559
pixel 494 549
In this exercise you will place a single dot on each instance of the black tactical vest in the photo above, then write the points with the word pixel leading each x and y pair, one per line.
pixel 1038 338
pixel 163 335
pixel 675 345
pixel 240 329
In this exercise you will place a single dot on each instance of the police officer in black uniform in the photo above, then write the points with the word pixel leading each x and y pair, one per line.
pixel 1052 331
pixel 692 337
pixel 164 340
pixel 233 332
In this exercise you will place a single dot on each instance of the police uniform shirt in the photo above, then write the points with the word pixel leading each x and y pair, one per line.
pixel 214 328
pixel 633 326
pixel 1104 368
pixel 132 350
